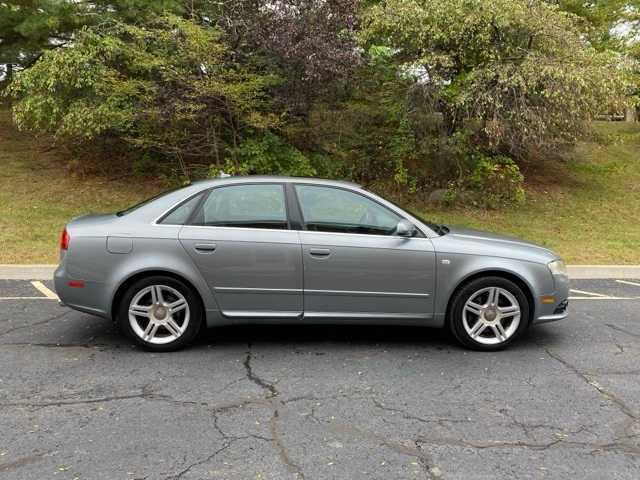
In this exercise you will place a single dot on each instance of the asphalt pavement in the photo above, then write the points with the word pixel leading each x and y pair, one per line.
pixel 78 401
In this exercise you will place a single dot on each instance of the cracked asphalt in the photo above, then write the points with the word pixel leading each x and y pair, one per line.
pixel 78 401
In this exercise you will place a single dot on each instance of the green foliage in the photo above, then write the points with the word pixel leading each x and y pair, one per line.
pixel 517 74
pixel 366 131
pixel 438 93
pixel 29 27
pixel 167 87
pixel 494 182
pixel 266 154
pixel 600 20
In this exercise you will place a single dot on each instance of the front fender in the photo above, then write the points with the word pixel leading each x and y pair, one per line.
pixel 453 270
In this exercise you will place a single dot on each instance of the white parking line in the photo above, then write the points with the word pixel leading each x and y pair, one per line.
pixel 604 298
pixel 635 284
pixel 42 288
pixel 26 298
pixel 588 293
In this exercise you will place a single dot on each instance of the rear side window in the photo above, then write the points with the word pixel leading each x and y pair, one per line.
pixel 180 214
pixel 249 206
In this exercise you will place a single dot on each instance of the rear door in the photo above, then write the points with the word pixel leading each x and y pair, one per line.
pixel 240 240
pixel 354 265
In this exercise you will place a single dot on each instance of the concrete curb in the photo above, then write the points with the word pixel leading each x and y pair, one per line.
pixel 27 272
pixel 603 271
pixel 45 272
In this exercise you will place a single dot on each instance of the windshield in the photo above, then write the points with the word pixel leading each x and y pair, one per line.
pixel 128 210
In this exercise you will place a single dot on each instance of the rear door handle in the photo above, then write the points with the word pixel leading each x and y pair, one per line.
pixel 320 252
pixel 205 247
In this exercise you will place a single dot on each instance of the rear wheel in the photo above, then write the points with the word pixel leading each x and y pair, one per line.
pixel 489 313
pixel 160 313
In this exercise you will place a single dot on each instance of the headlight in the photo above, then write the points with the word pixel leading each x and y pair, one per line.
pixel 558 267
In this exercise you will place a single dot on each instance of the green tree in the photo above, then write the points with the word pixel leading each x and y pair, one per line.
pixel 365 132
pixel 510 77
pixel 29 27
pixel 608 23
pixel 166 87
pixel 612 25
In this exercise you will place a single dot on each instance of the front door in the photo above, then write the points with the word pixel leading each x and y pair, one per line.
pixel 354 265
pixel 241 242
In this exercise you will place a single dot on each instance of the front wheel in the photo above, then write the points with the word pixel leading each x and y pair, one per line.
pixel 489 313
pixel 160 313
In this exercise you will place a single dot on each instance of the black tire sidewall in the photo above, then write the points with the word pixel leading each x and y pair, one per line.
pixel 195 312
pixel 462 295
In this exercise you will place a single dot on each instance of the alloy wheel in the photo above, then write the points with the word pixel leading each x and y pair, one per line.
pixel 491 315
pixel 159 314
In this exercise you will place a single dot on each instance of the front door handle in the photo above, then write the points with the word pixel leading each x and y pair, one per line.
pixel 320 252
pixel 205 247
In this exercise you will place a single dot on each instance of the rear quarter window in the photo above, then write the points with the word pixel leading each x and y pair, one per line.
pixel 180 214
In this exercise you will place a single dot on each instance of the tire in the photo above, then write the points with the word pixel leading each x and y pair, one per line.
pixel 160 313
pixel 478 322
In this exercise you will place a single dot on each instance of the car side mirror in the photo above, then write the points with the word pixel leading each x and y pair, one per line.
pixel 405 228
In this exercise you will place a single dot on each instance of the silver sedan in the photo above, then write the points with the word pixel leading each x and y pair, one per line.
pixel 296 250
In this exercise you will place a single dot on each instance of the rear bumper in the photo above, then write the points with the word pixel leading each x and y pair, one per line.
pixel 90 298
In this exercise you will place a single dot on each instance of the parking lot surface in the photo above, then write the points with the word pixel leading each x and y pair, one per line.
pixel 78 401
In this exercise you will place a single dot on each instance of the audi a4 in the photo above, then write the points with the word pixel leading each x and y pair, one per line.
pixel 277 250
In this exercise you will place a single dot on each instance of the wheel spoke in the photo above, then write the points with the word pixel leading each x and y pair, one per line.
pixel 499 332
pixel 140 310
pixel 494 293
pixel 150 331
pixel 509 311
pixel 173 327
pixel 477 329
pixel 178 305
pixel 156 294
pixel 473 308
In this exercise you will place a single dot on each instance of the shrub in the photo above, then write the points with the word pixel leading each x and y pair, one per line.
pixel 493 182
pixel 266 154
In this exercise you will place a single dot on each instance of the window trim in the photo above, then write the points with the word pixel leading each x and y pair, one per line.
pixel 420 233
pixel 208 191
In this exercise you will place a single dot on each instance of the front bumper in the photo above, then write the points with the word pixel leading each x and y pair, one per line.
pixel 557 310
pixel 551 318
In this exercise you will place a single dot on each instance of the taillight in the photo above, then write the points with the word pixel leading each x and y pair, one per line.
pixel 64 239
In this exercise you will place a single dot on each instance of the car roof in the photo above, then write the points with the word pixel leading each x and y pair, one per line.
pixel 273 178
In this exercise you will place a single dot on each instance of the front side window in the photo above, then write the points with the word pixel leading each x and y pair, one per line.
pixel 249 206
pixel 327 209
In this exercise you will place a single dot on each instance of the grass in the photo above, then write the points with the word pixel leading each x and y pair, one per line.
pixel 38 195
pixel 587 209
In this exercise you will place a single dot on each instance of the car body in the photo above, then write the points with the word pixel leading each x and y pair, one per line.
pixel 301 250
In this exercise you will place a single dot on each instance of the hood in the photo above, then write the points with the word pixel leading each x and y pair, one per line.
pixel 470 241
